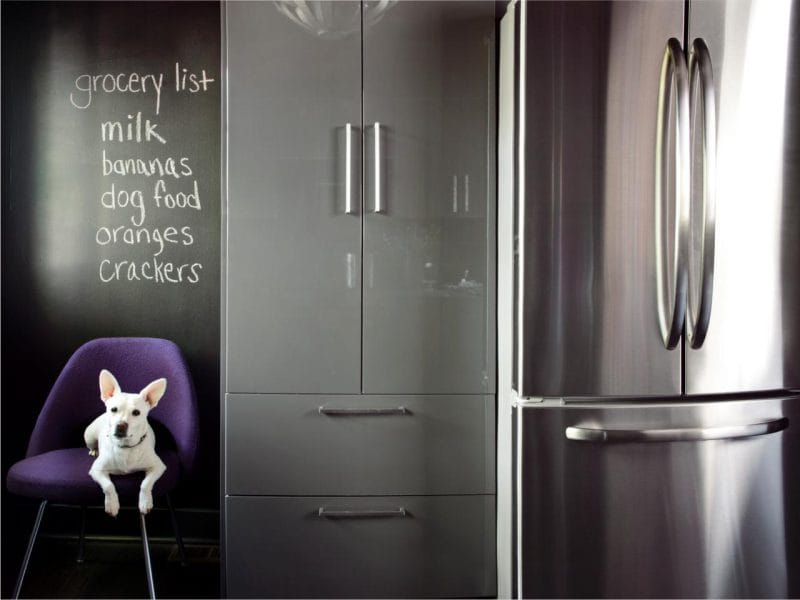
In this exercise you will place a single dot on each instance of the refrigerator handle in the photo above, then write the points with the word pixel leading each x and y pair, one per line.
pixel 703 205
pixel 671 267
pixel 682 434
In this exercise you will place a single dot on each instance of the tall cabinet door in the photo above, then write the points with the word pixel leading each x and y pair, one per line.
pixel 293 306
pixel 753 336
pixel 429 208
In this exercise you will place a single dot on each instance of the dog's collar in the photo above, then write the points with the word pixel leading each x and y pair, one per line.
pixel 134 445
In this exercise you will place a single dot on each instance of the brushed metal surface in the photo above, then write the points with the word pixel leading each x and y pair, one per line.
pixel 753 339
pixel 675 434
pixel 713 519
pixel 704 193
pixel 442 546
pixel 672 222
pixel 587 283
pixel 293 306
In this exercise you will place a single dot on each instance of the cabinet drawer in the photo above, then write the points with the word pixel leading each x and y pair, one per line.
pixel 430 546
pixel 303 445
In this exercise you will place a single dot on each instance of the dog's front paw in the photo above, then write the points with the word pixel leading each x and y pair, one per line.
pixel 92 452
pixel 112 504
pixel 145 502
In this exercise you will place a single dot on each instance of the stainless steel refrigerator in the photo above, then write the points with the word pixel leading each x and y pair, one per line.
pixel 657 299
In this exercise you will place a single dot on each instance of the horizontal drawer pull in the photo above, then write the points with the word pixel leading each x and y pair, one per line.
pixel 362 514
pixel 680 434
pixel 357 412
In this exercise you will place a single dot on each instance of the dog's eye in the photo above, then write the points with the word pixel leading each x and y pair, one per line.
pixel 114 409
pixel 136 413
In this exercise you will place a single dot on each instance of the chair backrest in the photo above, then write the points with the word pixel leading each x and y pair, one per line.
pixel 74 401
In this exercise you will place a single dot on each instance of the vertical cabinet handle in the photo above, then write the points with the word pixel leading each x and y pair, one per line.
pixel 701 81
pixel 455 194
pixel 348 174
pixel 378 207
pixel 671 270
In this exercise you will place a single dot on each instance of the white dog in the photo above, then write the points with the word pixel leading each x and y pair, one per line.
pixel 123 441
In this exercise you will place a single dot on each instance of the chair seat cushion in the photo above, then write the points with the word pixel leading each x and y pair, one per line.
pixel 63 476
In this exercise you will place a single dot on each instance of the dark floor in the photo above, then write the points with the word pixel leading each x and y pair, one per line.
pixel 114 560
pixel 115 569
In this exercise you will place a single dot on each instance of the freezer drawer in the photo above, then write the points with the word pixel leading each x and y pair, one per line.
pixel 328 547
pixel 605 513
pixel 299 445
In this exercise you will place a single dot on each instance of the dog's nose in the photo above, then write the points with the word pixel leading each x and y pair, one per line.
pixel 121 430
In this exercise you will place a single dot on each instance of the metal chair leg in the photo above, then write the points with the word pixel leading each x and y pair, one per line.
pixel 151 588
pixel 23 569
pixel 82 538
pixel 178 537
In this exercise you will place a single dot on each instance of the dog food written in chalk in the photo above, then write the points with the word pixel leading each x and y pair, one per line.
pixel 150 200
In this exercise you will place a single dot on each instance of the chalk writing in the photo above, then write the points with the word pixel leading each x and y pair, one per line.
pixel 111 131
pixel 87 86
pixel 194 84
pixel 130 202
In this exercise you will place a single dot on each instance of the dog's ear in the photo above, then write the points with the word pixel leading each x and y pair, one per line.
pixel 108 385
pixel 153 392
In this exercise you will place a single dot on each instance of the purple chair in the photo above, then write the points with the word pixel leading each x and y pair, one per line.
pixel 56 467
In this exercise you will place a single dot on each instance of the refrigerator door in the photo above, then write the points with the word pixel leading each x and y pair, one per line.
pixel 586 277
pixel 659 499
pixel 753 337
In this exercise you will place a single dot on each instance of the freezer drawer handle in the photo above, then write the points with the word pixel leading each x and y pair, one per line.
pixel 671 266
pixel 359 412
pixel 701 81
pixel 326 513
pixel 681 434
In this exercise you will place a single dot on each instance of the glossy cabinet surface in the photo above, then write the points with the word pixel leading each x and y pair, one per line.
pixel 340 445
pixel 403 547
pixel 360 343
pixel 322 300
pixel 429 198
pixel 293 315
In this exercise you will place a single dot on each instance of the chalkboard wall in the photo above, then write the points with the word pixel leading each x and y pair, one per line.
pixel 110 198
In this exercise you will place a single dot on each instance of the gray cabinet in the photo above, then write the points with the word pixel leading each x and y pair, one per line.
pixel 359 445
pixel 329 547
pixel 429 217
pixel 293 316
pixel 303 315
pixel 359 299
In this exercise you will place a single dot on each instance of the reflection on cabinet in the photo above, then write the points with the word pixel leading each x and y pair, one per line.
pixel 293 253
pixel 359 297
pixel 304 292
pixel 429 251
